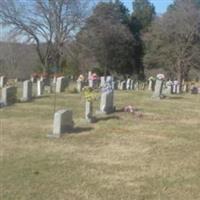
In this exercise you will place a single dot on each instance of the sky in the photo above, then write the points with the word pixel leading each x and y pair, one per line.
pixel 160 5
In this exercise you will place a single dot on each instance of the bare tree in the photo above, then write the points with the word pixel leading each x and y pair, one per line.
pixel 49 24
pixel 174 40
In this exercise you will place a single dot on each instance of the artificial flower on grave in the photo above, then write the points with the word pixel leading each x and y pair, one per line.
pixel 160 76
pixel 89 94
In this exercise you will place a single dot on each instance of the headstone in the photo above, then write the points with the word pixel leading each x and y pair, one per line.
pixel 9 95
pixel 79 85
pixel 198 90
pixel 54 80
pixel 107 98
pixel 61 84
pixel 185 87
pixel 132 85
pixel 151 83
pixel 89 111
pixel 169 85
pixel 27 90
pixel 102 81
pixel 175 87
pixel 194 90
pixel 128 84
pixel 2 81
pixel 122 85
pixel 158 86
pixel 39 88
pixel 136 85
pixel 63 122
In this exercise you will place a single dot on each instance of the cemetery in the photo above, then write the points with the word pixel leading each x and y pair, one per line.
pixel 99 100
pixel 106 139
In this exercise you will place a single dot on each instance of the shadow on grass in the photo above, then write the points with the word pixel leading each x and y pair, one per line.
pixel 122 110
pixel 77 130
pixel 107 118
pixel 175 97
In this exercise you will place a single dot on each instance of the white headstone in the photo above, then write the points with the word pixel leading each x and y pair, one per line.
pixel 102 81
pixel 2 81
pixel 27 90
pixel 128 84
pixel 39 88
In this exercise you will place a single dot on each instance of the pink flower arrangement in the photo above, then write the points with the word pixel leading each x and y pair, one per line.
pixel 160 76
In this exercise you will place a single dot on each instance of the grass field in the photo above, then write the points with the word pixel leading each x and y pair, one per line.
pixel 121 157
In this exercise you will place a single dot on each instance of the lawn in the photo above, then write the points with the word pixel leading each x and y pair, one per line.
pixel 120 157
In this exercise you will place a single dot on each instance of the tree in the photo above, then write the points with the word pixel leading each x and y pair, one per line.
pixel 174 40
pixel 142 16
pixel 107 36
pixel 49 24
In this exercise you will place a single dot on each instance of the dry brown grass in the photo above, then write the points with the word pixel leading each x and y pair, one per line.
pixel 120 157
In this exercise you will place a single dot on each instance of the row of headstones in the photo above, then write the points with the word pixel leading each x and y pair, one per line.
pixel 128 84
pixel 171 87
pixel 63 119
pixel 160 90
pixel 9 93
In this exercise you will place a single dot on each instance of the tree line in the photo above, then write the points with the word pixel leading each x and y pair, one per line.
pixel 73 36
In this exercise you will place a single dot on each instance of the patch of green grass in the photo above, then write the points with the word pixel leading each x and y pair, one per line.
pixel 120 157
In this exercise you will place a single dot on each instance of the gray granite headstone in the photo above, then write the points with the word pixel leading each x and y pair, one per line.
pixel 123 85
pixel 63 123
pixel 107 98
pixel 9 95
pixel 61 84
pixel 79 85
pixel 158 89
pixel 89 112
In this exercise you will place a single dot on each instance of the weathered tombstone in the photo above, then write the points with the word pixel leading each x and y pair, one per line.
pixel 107 98
pixel 198 90
pixel 132 85
pixel 175 87
pixel 79 85
pixel 169 85
pixel 2 81
pixel 102 81
pixel 39 88
pixel 32 79
pixel 158 86
pixel 194 90
pixel 123 85
pixel 54 80
pixel 185 87
pixel 91 83
pixel 9 95
pixel 63 123
pixel 27 90
pixel 89 111
pixel 128 84
pixel 136 85
pixel 151 83
pixel 60 84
